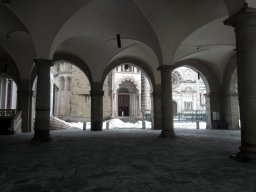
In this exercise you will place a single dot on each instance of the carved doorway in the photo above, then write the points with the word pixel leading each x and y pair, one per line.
pixel 123 102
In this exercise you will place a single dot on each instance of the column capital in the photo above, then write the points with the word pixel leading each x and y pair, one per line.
pixel 245 17
pixel 230 94
pixel 212 94
pixel 165 68
pixel 43 62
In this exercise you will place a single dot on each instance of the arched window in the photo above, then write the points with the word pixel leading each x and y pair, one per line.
pixel 68 83
pixel 176 79
pixel 62 83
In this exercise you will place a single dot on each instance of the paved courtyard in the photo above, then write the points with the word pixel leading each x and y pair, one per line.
pixel 125 160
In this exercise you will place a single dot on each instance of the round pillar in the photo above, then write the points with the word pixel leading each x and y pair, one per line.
pixel 166 101
pixel 42 119
pixel 244 23
pixel 96 107
pixel 24 96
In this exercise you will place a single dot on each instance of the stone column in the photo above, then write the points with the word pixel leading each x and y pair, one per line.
pixel 96 106
pixel 166 101
pixel 113 105
pixel 143 93
pixel 1 84
pixel 24 96
pixel 42 120
pixel 244 23
pixel 157 116
pixel 140 110
pixel 9 94
pixel 4 92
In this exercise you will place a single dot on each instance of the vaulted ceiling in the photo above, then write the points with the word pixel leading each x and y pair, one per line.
pixel 160 32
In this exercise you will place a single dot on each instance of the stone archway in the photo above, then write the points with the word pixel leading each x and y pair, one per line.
pixel 142 76
pixel 70 93
pixel 212 85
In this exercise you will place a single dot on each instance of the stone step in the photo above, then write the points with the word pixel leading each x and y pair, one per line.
pixel 56 123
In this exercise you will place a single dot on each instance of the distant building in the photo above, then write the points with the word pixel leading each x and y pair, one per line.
pixel 127 92
pixel 188 91
pixel 8 93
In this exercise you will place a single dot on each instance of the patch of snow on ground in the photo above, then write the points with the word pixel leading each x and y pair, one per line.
pixel 77 125
pixel 189 125
pixel 119 124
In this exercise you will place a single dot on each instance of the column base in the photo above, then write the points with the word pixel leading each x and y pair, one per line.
pixel 41 136
pixel 96 126
pixel 156 128
pixel 244 157
pixel 94 129
pixel 167 134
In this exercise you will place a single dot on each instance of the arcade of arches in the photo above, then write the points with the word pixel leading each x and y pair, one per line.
pixel 156 36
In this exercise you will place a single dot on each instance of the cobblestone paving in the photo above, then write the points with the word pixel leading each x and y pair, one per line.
pixel 125 161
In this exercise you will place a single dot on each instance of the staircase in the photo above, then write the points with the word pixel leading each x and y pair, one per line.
pixel 129 119
pixel 57 124
pixel 10 121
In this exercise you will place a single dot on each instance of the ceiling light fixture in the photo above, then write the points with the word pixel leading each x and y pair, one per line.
pixel 118 39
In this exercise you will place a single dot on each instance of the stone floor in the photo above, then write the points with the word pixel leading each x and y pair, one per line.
pixel 125 160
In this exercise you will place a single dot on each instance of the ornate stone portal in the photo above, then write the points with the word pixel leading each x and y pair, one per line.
pixel 128 99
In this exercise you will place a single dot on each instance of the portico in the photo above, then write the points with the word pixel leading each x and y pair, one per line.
pixel 157 35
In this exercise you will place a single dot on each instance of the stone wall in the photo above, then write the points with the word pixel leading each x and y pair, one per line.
pixel 80 96
pixel 74 103
pixel 107 98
